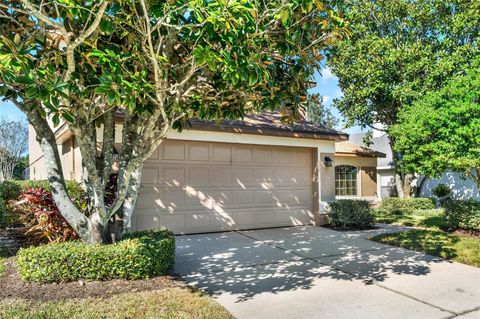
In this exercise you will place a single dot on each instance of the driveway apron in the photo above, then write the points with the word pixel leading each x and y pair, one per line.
pixel 315 272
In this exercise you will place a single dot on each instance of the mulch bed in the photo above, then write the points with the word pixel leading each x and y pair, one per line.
pixel 12 286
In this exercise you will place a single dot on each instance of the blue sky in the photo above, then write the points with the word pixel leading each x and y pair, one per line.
pixel 327 85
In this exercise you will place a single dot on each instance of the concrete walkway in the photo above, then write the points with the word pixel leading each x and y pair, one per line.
pixel 313 272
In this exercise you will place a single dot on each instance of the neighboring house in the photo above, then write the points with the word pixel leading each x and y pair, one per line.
pixel 356 171
pixel 462 188
pixel 385 166
pixel 254 173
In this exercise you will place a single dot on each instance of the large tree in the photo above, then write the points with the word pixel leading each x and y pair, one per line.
pixel 398 51
pixel 156 64
pixel 13 145
pixel 441 131
pixel 318 113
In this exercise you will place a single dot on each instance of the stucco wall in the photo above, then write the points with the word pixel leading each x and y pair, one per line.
pixel 461 188
pixel 358 162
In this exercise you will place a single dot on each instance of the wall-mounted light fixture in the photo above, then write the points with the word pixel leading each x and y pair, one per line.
pixel 327 161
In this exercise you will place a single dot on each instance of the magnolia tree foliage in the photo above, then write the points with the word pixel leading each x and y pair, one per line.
pixel 441 131
pixel 155 64
pixel 13 145
pixel 398 51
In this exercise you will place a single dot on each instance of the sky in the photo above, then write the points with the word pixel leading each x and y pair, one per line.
pixel 327 86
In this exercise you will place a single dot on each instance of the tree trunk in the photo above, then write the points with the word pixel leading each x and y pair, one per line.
pixel 403 182
pixel 420 182
pixel 69 211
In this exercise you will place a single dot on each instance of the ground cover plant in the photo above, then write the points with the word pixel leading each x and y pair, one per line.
pixel 462 248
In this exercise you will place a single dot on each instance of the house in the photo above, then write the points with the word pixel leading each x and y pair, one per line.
pixel 356 171
pixel 385 166
pixel 461 187
pixel 243 174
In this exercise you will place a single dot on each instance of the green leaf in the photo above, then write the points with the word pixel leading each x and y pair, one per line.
pixel 24 80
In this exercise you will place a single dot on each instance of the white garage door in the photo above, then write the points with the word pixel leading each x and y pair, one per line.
pixel 192 187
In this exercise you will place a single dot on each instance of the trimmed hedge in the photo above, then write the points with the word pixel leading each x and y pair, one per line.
pixel 462 214
pixel 394 204
pixel 351 214
pixel 139 255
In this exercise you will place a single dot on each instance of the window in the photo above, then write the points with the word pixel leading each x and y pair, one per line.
pixel 345 180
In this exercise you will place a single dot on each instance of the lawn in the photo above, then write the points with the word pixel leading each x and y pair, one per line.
pixel 2 266
pixel 431 218
pixel 166 303
pixel 464 249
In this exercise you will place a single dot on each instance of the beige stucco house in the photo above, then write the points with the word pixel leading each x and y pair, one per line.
pixel 251 173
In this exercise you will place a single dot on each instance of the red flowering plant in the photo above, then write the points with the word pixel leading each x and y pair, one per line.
pixel 50 224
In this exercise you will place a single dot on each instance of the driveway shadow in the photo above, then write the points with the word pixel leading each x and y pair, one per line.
pixel 274 260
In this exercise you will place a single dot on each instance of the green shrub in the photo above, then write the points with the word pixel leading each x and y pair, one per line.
pixel 441 190
pixel 394 204
pixel 138 255
pixel 5 216
pixel 8 191
pixel 349 214
pixel 462 214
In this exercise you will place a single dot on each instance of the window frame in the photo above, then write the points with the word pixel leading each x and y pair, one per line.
pixel 346 181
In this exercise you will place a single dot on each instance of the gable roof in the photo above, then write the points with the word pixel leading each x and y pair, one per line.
pixel 270 123
pixel 349 148
pixel 264 123
pixel 380 144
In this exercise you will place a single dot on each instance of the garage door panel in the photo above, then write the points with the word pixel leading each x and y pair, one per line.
pixel 221 176
pixel 244 176
pixel 243 154
pixel 222 221
pixel 150 175
pixel 198 176
pixel 211 199
pixel 203 187
pixel 147 198
pixel 172 176
pixel 172 199
pixel 302 158
pixel 244 219
pixel 146 220
pixel 175 223
pixel 199 152
pixel 173 150
pixel 262 155
pixel 263 175
pixel 263 197
pixel 198 222
pixel 243 196
pixel 221 153
pixel 283 156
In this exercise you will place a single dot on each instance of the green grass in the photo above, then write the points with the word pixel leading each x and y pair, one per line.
pixel 2 266
pixel 464 249
pixel 431 218
pixel 165 303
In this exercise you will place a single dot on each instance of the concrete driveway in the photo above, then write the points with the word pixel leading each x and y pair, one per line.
pixel 314 272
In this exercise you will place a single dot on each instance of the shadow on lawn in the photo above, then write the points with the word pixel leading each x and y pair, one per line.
pixel 230 263
pixel 436 243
